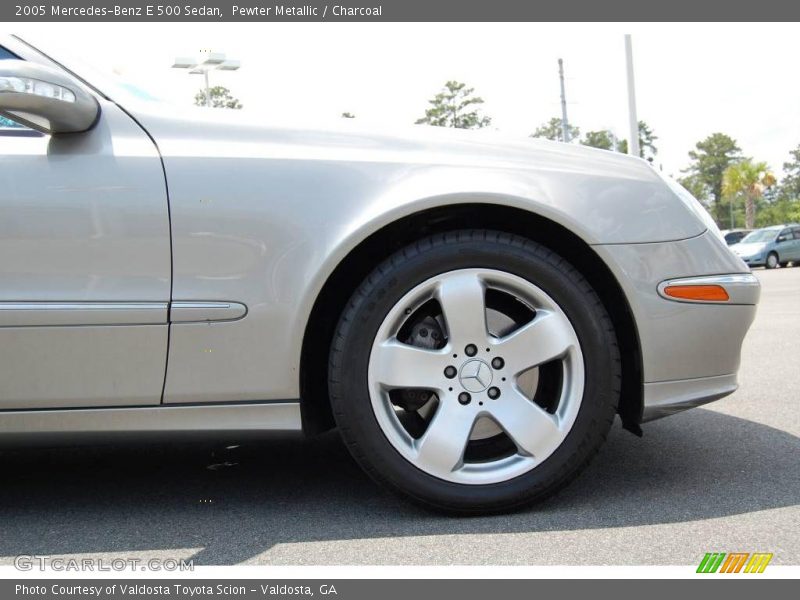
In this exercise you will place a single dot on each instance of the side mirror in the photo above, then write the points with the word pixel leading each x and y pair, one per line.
pixel 781 238
pixel 45 99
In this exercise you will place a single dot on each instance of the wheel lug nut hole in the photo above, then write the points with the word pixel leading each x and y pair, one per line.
pixel 493 392
pixel 450 371
pixel 464 398
pixel 481 403
pixel 471 350
pixel 498 363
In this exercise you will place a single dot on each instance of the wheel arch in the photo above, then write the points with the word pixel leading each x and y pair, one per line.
pixel 361 259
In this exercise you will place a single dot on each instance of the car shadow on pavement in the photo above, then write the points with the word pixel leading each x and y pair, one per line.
pixel 234 504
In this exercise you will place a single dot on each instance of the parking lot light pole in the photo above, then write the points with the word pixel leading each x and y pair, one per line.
pixel 633 147
pixel 207 61
pixel 564 121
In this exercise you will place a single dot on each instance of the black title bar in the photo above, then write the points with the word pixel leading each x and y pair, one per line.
pixel 399 10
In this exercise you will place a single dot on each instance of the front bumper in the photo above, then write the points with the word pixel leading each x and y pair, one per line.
pixel 690 350
pixel 754 261
pixel 666 398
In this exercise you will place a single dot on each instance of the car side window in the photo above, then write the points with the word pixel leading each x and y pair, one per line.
pixel 796 233
pixel 5 122
pixel 785 235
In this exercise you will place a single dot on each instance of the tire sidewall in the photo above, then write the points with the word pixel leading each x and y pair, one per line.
pixel 771 265
pixel 389 283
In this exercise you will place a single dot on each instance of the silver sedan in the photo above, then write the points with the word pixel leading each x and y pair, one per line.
pixel 470 311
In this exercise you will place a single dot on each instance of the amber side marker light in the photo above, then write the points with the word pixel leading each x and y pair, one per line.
pixel 701 293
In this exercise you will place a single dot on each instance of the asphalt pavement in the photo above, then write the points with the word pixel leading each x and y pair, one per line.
pixel 725 477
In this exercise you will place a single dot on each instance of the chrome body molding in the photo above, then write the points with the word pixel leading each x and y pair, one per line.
pixel 192 312
pixel 52 314
pixel 742 288
pixel 32 314
pixel 666 398
pixel 92 423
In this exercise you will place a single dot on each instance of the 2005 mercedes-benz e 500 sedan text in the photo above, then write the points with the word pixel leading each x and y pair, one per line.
pixel 471 312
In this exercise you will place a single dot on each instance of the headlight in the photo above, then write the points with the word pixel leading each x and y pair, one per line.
pixel 693 205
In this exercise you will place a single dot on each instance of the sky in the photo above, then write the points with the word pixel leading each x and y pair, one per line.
pixel 691 79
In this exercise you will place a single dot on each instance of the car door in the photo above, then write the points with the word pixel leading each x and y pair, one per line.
pixel 796 248
pixel 84 264
pixel 784 245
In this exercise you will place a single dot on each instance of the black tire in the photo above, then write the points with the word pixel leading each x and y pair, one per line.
pixel 439 254
pixel 772 261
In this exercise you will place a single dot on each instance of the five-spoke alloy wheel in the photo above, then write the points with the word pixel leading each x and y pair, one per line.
pixel 474 371
pixel 486 387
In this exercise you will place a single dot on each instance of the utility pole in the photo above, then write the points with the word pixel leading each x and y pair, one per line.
pixel 633 146
pixel 564 122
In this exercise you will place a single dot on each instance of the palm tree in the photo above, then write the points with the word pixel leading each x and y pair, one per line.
pixel 750 179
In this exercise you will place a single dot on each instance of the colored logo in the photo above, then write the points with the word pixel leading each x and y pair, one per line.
pixel 734 562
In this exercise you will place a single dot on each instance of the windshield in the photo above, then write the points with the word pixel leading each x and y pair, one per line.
pixel 762 235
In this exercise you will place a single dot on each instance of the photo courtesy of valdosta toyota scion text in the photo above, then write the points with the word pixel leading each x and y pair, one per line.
pixel 276 290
